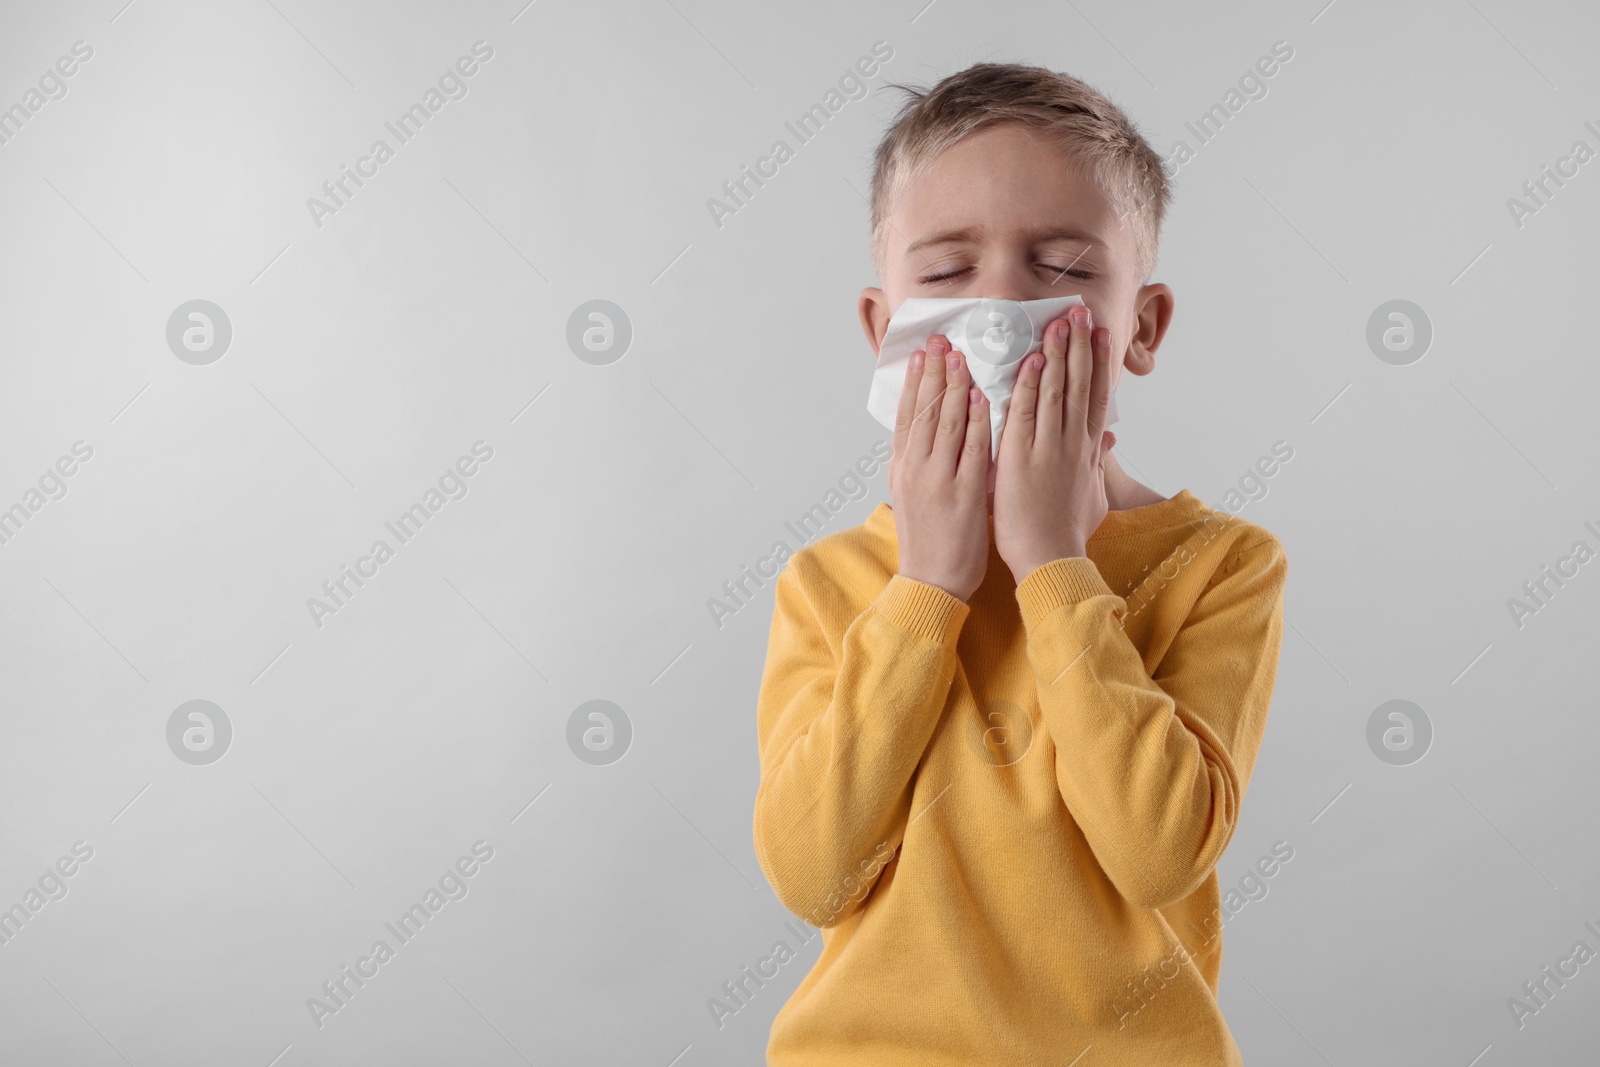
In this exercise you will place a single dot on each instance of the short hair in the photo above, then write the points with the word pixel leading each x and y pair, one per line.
pixel 1097 135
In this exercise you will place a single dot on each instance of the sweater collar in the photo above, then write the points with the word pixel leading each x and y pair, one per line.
pixel 1177 509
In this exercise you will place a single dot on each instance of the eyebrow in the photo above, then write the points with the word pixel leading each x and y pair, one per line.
pixel 971 234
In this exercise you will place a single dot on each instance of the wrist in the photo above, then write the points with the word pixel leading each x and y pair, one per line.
pixel 1031 563
pixel 953 588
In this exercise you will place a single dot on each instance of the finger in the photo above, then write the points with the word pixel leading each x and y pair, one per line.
pixel 930 393
pixel 907 409
pixel 1080 374
pixel 1053 384
pixel 1022 413
pixel 973 473
pixel 1100 387
pixel 952 429
pixel 1108 440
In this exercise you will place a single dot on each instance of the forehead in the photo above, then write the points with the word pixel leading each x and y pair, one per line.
pixel 1007 180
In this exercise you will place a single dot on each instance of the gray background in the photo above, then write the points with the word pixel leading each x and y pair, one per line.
pixel 431 711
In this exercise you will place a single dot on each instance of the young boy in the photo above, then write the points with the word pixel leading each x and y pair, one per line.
pixel 1006 725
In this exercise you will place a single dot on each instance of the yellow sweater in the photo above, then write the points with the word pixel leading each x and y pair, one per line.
pixel 1006 813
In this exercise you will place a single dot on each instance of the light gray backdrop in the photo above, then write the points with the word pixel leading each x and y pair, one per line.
pixel 376 340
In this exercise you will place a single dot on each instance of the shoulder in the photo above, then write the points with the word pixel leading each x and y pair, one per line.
pixel 1239 545
pixel 1227 535
pixel 848 567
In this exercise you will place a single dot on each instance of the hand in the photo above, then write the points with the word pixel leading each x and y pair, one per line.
pixel 1050 490
pixel 939 474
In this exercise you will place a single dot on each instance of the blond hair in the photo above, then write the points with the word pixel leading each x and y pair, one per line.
pixel 1100 138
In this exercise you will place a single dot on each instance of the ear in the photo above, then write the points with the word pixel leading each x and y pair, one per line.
pixel 1153 307
pixel 873 307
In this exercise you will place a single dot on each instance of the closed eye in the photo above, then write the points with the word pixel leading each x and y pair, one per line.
pixel 1055 273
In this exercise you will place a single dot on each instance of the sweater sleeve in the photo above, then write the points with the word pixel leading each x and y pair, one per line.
pixel 841 736
pixel 1153 769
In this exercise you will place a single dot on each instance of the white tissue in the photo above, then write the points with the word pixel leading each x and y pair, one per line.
pixel 994 335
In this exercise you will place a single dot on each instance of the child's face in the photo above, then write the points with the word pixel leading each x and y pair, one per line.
pixel 1001 215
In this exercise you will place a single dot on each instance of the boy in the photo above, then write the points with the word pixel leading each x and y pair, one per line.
pixel 1006 725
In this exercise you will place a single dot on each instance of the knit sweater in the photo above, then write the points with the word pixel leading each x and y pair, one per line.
pixel 1005 813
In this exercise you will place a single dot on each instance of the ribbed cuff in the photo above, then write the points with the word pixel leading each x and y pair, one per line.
pixel 922 609
pixel 1059 582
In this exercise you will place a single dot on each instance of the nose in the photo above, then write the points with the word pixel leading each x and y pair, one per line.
pixel 1008 282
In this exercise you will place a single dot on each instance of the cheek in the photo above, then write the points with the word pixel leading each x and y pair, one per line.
pixel 1118 350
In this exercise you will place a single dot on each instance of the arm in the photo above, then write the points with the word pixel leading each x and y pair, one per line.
pixel 840 738
pixel 1153 768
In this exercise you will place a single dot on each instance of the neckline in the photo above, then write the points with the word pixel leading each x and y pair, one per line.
pixel 1182 506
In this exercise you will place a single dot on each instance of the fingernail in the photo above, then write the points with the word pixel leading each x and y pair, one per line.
pixel 1059 328
pixel 916 360
pixel 952 362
